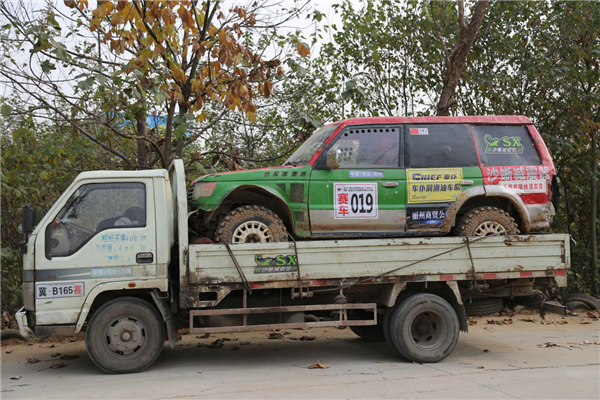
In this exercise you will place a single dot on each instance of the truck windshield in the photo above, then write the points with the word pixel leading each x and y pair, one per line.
pixel 308 148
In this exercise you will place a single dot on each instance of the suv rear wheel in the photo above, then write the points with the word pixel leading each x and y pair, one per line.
pixel 486 221
pixel 251 224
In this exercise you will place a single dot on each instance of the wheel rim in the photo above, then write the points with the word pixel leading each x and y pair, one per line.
pixel 124 337
pixel 252 232
pixel 428 330
pixel 488 228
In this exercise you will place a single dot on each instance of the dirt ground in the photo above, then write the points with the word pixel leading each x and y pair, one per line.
pixel 501 357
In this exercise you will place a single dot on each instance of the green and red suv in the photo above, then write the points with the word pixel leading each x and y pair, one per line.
pixel 388 176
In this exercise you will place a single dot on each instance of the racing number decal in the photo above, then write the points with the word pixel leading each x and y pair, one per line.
pixel 355 200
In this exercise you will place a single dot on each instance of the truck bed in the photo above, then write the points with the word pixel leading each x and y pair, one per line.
pixel 500 257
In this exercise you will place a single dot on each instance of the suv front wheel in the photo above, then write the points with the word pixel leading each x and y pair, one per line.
pixel 251 224
pixel 486 221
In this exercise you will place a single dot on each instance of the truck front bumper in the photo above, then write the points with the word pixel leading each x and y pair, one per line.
pixel 21 317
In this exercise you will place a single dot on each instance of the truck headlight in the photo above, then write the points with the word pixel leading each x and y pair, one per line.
pixel 203 189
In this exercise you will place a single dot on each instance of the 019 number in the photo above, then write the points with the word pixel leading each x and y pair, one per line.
pixel 361 203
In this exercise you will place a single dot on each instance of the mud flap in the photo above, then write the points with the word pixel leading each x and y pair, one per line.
pixel 458 306
pixel 163 307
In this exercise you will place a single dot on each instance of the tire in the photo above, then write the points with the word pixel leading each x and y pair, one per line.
pixel 424 328
pixel 131 319
pixel 577 305
pixel 251 224
pixel 588 300
pixel 485 221
pixel 11 334
pixel 481 307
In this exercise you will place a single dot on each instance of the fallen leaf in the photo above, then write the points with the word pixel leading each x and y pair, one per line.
pixel 506 321
pixel 8 351
pixel 472 322
pixel 528 319
pixel 485 351
pixel 217 344
pixel 319 365
pixel 16 378
pixel 68 357
pixel 57 365
pixel 585 322
pixel 481 367
pixel 275 335
pixel 33 360
pixel 562 322
pixel 205 336
pixel 55 354
pixel 51 346
pixel 307 338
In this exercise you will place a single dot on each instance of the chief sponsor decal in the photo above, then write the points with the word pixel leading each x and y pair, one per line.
pixel 281 263
pixel 355 200
pixel 503 145
pixel 426 216
pixel 111 272
pixel 56 290
pixel 419 131
pixel 366 174
pixel 434 185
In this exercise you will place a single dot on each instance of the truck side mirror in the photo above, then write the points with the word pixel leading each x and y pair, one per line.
pixel 27 221
pixel 334 157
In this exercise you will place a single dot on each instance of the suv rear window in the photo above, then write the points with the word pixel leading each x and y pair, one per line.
pixel 505 145
pixel 439 146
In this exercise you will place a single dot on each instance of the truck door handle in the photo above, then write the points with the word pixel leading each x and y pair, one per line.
pixel 467 182
pixel 389 184
pixel 144 258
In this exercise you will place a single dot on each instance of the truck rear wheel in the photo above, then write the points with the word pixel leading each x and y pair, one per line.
pixel 251 224
pixel 424 328
pixel 486 221
pixel 125 335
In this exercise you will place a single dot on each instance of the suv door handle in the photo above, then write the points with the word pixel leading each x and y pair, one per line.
pixel 144 258
pixel 467 182
pixel 389 184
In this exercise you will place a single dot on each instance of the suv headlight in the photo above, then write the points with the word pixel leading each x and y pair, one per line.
pixel 203 189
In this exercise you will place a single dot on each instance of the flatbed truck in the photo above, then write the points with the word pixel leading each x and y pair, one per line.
pixel 131 282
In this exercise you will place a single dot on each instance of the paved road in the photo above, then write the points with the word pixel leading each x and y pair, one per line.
pixel 491 362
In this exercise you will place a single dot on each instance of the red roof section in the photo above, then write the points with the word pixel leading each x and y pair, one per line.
pixel 483 120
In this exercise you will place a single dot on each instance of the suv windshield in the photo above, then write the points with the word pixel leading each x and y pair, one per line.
pixel 308 148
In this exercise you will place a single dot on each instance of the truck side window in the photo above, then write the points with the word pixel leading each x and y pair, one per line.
pixel 501 145
pixel 369 147
pixel 94 208
pixel 439 146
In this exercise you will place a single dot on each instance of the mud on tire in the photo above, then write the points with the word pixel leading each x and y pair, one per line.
pixel 251 224
pixel 484 221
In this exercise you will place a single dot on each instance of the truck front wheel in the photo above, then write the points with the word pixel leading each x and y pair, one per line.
pixel 125 335
pixel 251 224
pixel 424 328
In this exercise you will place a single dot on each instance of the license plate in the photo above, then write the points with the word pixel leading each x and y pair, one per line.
pixel 56 290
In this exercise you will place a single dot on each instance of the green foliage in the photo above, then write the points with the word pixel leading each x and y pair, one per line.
pixel 11 280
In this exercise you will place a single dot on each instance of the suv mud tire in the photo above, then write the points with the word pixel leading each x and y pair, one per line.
pixel 251 224
pixel 484 221
pixel 481 307
pixel 424 328
pixel 132 320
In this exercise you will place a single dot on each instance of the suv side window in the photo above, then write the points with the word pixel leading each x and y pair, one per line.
pixel 368 147
pixel 93 208
pixel 439 146
pixel 505 145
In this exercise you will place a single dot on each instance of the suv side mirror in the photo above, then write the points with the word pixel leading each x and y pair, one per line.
pixel 334 157
pixel 27 221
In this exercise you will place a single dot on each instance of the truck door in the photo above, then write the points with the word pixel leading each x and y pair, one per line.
pixel 367 193
pixel 105 231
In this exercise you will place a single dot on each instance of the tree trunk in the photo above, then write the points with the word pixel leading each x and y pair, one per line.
pixel 141 143
pixel 593 224
pixel 460 52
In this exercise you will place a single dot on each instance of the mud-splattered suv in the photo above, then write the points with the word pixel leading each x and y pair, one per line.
pixel 362 177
